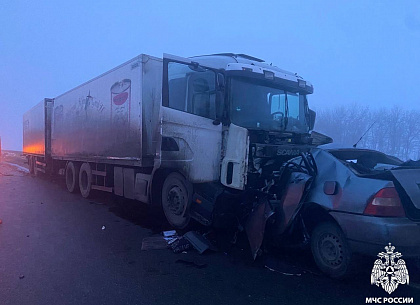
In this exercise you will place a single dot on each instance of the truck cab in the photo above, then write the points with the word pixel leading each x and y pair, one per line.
pixel 227 122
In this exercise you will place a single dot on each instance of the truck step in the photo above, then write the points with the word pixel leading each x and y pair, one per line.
pixel 102 188
pixel 98 173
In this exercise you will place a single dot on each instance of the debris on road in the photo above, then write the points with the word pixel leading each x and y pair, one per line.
pixel 21 276
pixel 154 243
pixel 169 233
pixel 284 273
pixel 103 228
pixel 1 221
pixel 281 267
pixel 199 242
pixel 180 244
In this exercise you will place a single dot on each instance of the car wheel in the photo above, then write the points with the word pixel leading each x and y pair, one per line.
pixel 72 175
pixel 85 180
pixel 330 249
pixel 176 200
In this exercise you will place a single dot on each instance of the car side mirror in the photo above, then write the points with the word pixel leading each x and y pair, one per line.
pixel 312 116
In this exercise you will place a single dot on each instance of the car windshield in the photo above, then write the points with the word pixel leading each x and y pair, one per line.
pixel 260 105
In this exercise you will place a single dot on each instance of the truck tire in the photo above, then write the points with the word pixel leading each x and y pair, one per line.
pixel 72 174
pixel 85 180
pixel 176 200
pixel 330 250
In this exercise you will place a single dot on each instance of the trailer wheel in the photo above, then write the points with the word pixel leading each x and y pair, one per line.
pixel 176 200
pixel 85 180
pixel 72 173
pixel 330 250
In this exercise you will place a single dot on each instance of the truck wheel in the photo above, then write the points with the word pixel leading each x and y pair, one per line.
pixel 85 180
pixel 330 250
pixel 72 172
pixel 176 200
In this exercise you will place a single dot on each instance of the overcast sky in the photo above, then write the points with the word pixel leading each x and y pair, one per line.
pixel 352 51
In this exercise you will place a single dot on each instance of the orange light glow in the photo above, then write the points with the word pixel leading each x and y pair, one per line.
pixel 37 148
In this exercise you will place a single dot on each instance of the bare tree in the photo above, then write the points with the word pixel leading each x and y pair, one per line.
pixel 395 131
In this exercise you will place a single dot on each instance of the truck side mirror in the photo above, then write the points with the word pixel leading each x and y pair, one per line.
pixel 312 116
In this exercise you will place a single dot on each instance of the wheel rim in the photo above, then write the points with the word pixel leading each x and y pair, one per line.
pixel 331 250
pixel 175 200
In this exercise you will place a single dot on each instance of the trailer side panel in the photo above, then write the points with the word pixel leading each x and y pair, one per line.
pixel 101 120
pixel 34 130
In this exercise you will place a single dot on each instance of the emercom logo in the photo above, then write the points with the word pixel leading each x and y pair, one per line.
pixel 397 300
pixel 387 273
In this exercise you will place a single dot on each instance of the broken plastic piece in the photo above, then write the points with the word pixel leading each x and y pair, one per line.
pixel 103 227
pixel 171 240
pixel 169 233
pixel 180 244
pixel 199 242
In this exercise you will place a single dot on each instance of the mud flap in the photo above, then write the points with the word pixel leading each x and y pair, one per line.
pixel 255 226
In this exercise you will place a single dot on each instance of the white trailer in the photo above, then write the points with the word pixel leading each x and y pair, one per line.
pixel 183 133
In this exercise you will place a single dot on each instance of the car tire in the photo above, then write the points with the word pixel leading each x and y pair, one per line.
pixel 176 200
pixel 330 250
pixel 72 175
pixel 85 180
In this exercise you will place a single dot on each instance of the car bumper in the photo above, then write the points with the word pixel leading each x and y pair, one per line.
pixel 369 235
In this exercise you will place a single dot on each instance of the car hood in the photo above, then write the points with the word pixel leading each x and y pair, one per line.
pixel 410 181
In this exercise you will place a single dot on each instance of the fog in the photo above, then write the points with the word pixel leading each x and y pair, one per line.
pixel 394 130
pixel 364 52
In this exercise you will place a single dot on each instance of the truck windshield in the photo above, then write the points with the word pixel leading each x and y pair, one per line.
pixel 260 105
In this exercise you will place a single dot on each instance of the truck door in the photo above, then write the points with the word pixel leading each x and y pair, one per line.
pixel 190 126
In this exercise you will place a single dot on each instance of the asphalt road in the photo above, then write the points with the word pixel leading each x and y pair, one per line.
pixel 53 250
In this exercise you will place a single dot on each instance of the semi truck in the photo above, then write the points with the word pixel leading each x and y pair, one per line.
pixel 223 139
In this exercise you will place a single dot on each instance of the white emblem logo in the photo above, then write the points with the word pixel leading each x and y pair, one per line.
pixel 389 274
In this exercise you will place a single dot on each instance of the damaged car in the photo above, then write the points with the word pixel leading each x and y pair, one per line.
pixel 360 201
pixel 338 202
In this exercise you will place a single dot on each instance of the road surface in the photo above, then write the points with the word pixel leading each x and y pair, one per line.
pixel 54 250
